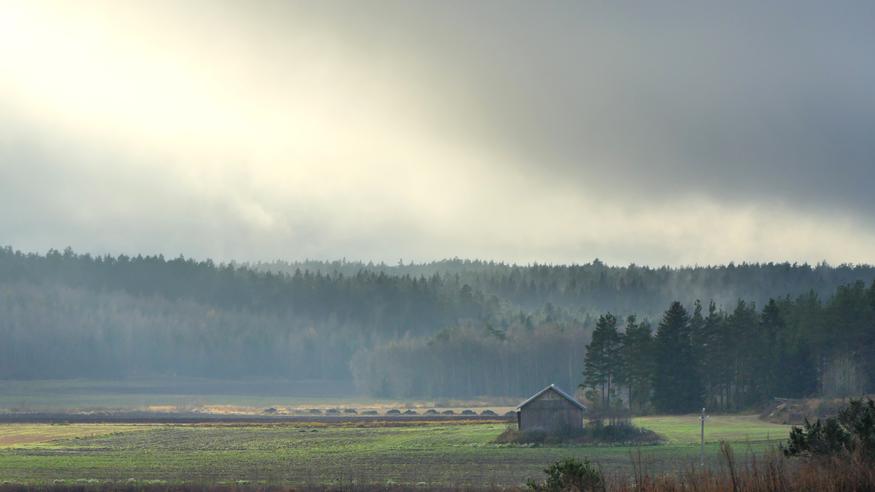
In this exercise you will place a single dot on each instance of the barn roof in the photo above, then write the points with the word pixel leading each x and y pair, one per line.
pixel 557 390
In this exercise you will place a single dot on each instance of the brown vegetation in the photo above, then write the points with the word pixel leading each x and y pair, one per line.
pixel 773 473
pixel 795 411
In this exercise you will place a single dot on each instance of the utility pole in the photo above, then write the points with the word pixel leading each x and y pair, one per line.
pixel 702 439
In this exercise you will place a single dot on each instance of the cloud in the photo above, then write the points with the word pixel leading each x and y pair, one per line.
pixel 562 132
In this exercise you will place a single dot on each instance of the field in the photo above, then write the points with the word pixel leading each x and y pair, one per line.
pixel 425 453
pixel 180 395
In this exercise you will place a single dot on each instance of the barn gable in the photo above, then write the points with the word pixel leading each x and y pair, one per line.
pixel 558 391
pixel 550 408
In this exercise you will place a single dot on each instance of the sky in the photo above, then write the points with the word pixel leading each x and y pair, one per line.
pixel 652 133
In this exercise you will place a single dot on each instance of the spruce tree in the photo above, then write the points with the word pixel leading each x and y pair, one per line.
pixel 771 352
pixel 603 363
pixel 637 362
pixel 676 384
pixel 744 343
pixel 716 358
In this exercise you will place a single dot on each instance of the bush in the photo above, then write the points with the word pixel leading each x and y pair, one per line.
pixel 570 474
pixel 594 434
pixel 620 433
pixel 513 436
pixel 853 430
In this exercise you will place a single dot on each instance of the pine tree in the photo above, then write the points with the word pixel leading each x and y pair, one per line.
pixel 771 351
pixel 603 363
pixel 745 342
pixel 697 337
pixel 716 358
pixel 637 355
pixel 676 384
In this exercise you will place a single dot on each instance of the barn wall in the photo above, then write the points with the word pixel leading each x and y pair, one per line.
pixel 550 411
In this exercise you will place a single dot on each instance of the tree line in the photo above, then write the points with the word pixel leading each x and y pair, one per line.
pixel 734 359
pixel 445 329
pixel 596 287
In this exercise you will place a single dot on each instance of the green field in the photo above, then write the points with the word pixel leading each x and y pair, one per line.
pixel 431 453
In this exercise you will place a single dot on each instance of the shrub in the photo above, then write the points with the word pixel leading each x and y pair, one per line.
pixel 595 434
pixel 571 474
pixel 619 433
pixel 853 430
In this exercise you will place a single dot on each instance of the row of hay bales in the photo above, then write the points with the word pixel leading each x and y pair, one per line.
pixel 395 412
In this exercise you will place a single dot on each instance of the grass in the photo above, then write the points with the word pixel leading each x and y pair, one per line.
pixel 41 435
pixel 684 429
pixel 433 453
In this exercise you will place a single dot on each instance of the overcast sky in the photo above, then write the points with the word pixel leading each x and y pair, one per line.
pixel 646 132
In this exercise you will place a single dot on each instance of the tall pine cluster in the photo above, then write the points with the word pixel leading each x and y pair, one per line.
pixel 737 359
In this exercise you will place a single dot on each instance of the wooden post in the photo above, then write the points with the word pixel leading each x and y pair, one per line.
pixel 702 439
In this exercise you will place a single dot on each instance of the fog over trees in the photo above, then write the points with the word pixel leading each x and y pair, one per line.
pixel 727 335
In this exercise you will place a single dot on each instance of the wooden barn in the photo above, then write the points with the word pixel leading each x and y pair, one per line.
pixel 550 409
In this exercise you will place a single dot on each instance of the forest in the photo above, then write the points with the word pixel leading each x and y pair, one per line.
pixel 733 360
pixel 729 335
pixel 729 359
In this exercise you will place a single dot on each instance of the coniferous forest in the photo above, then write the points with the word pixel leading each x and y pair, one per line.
pixel 663 339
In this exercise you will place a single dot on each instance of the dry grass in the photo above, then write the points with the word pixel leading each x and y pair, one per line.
pixel 18 435
pixel 774 474
pixel 771 473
